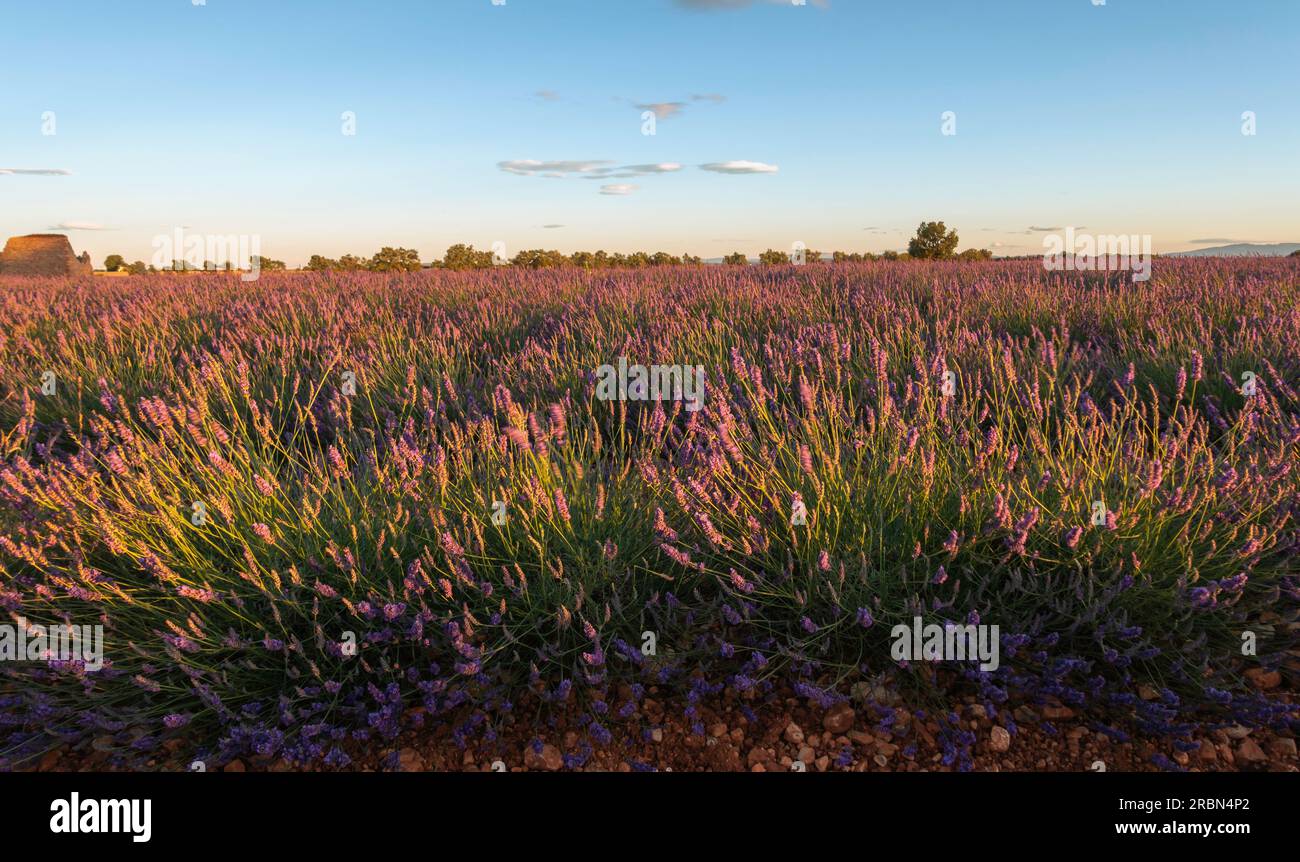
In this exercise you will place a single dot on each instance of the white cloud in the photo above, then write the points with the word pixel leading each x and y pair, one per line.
pixel 44 172
pixel 713 5
pixel 662 110
pixel 618 189
pixel 77 225
pixel 661 168
pixel 739 167
pixel 532 167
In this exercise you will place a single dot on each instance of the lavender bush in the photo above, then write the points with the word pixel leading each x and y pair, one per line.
pixel 948 429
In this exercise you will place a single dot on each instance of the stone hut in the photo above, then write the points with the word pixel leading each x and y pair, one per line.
pixel 48 254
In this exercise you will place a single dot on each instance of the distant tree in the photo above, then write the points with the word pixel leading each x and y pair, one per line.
pixel 692 260
pixel 583 259
pixel 889 255
pixel 812 256
pixel 976 254
pixel 114 262
pixel 638 259
pixel 266 264
pixel 461 256
pixel 736 258
pixel 209 266
pixel 663 258
pixel 536 258
pixel 138 268
pixel 321 264
pixel 933 241
pixel 772 257
pixel 1295 253
pixel 389 259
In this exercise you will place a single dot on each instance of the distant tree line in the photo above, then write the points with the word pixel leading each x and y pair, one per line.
pixel 933 241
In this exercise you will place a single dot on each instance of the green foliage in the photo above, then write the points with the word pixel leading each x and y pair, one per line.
pixel 933 241
pixel 389 259
pixel 461 257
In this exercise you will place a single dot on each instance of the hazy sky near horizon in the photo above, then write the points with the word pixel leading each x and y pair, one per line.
pixel 522 123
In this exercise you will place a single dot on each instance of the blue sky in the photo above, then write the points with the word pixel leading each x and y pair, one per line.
pixel 225 118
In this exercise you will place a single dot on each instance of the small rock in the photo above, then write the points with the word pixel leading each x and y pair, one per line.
pixel 1025 715
pixel 822 763
pixel 1147 692
pixel 793 734
pixel 235 766
pixel 408 760
pixel 547 759
pixel 887 749
pixel 999 738
pixel 839 719
pixel 1207 752
pixel 1237 732
pixel 657 735
pixel 881 760
pixel 1056 712
pixel 807 755
pixel 1249 751
pixel 49 760
pixel 1282 747
pixel 861 737
pixel 717 731
pixel 1264 680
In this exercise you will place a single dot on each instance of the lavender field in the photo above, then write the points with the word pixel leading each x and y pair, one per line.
pixel 301 507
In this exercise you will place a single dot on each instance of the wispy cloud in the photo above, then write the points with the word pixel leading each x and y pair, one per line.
pixel 589 169
pixel 551 226
pixel 1219 241
pixel 1034 229
pixel 533 168
pixel 739 167
pixel 662 110
pixel 715 5
pixel 715 98
pixel 547 95
pixel 41 172
pixel 661 168
pixel 78 225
